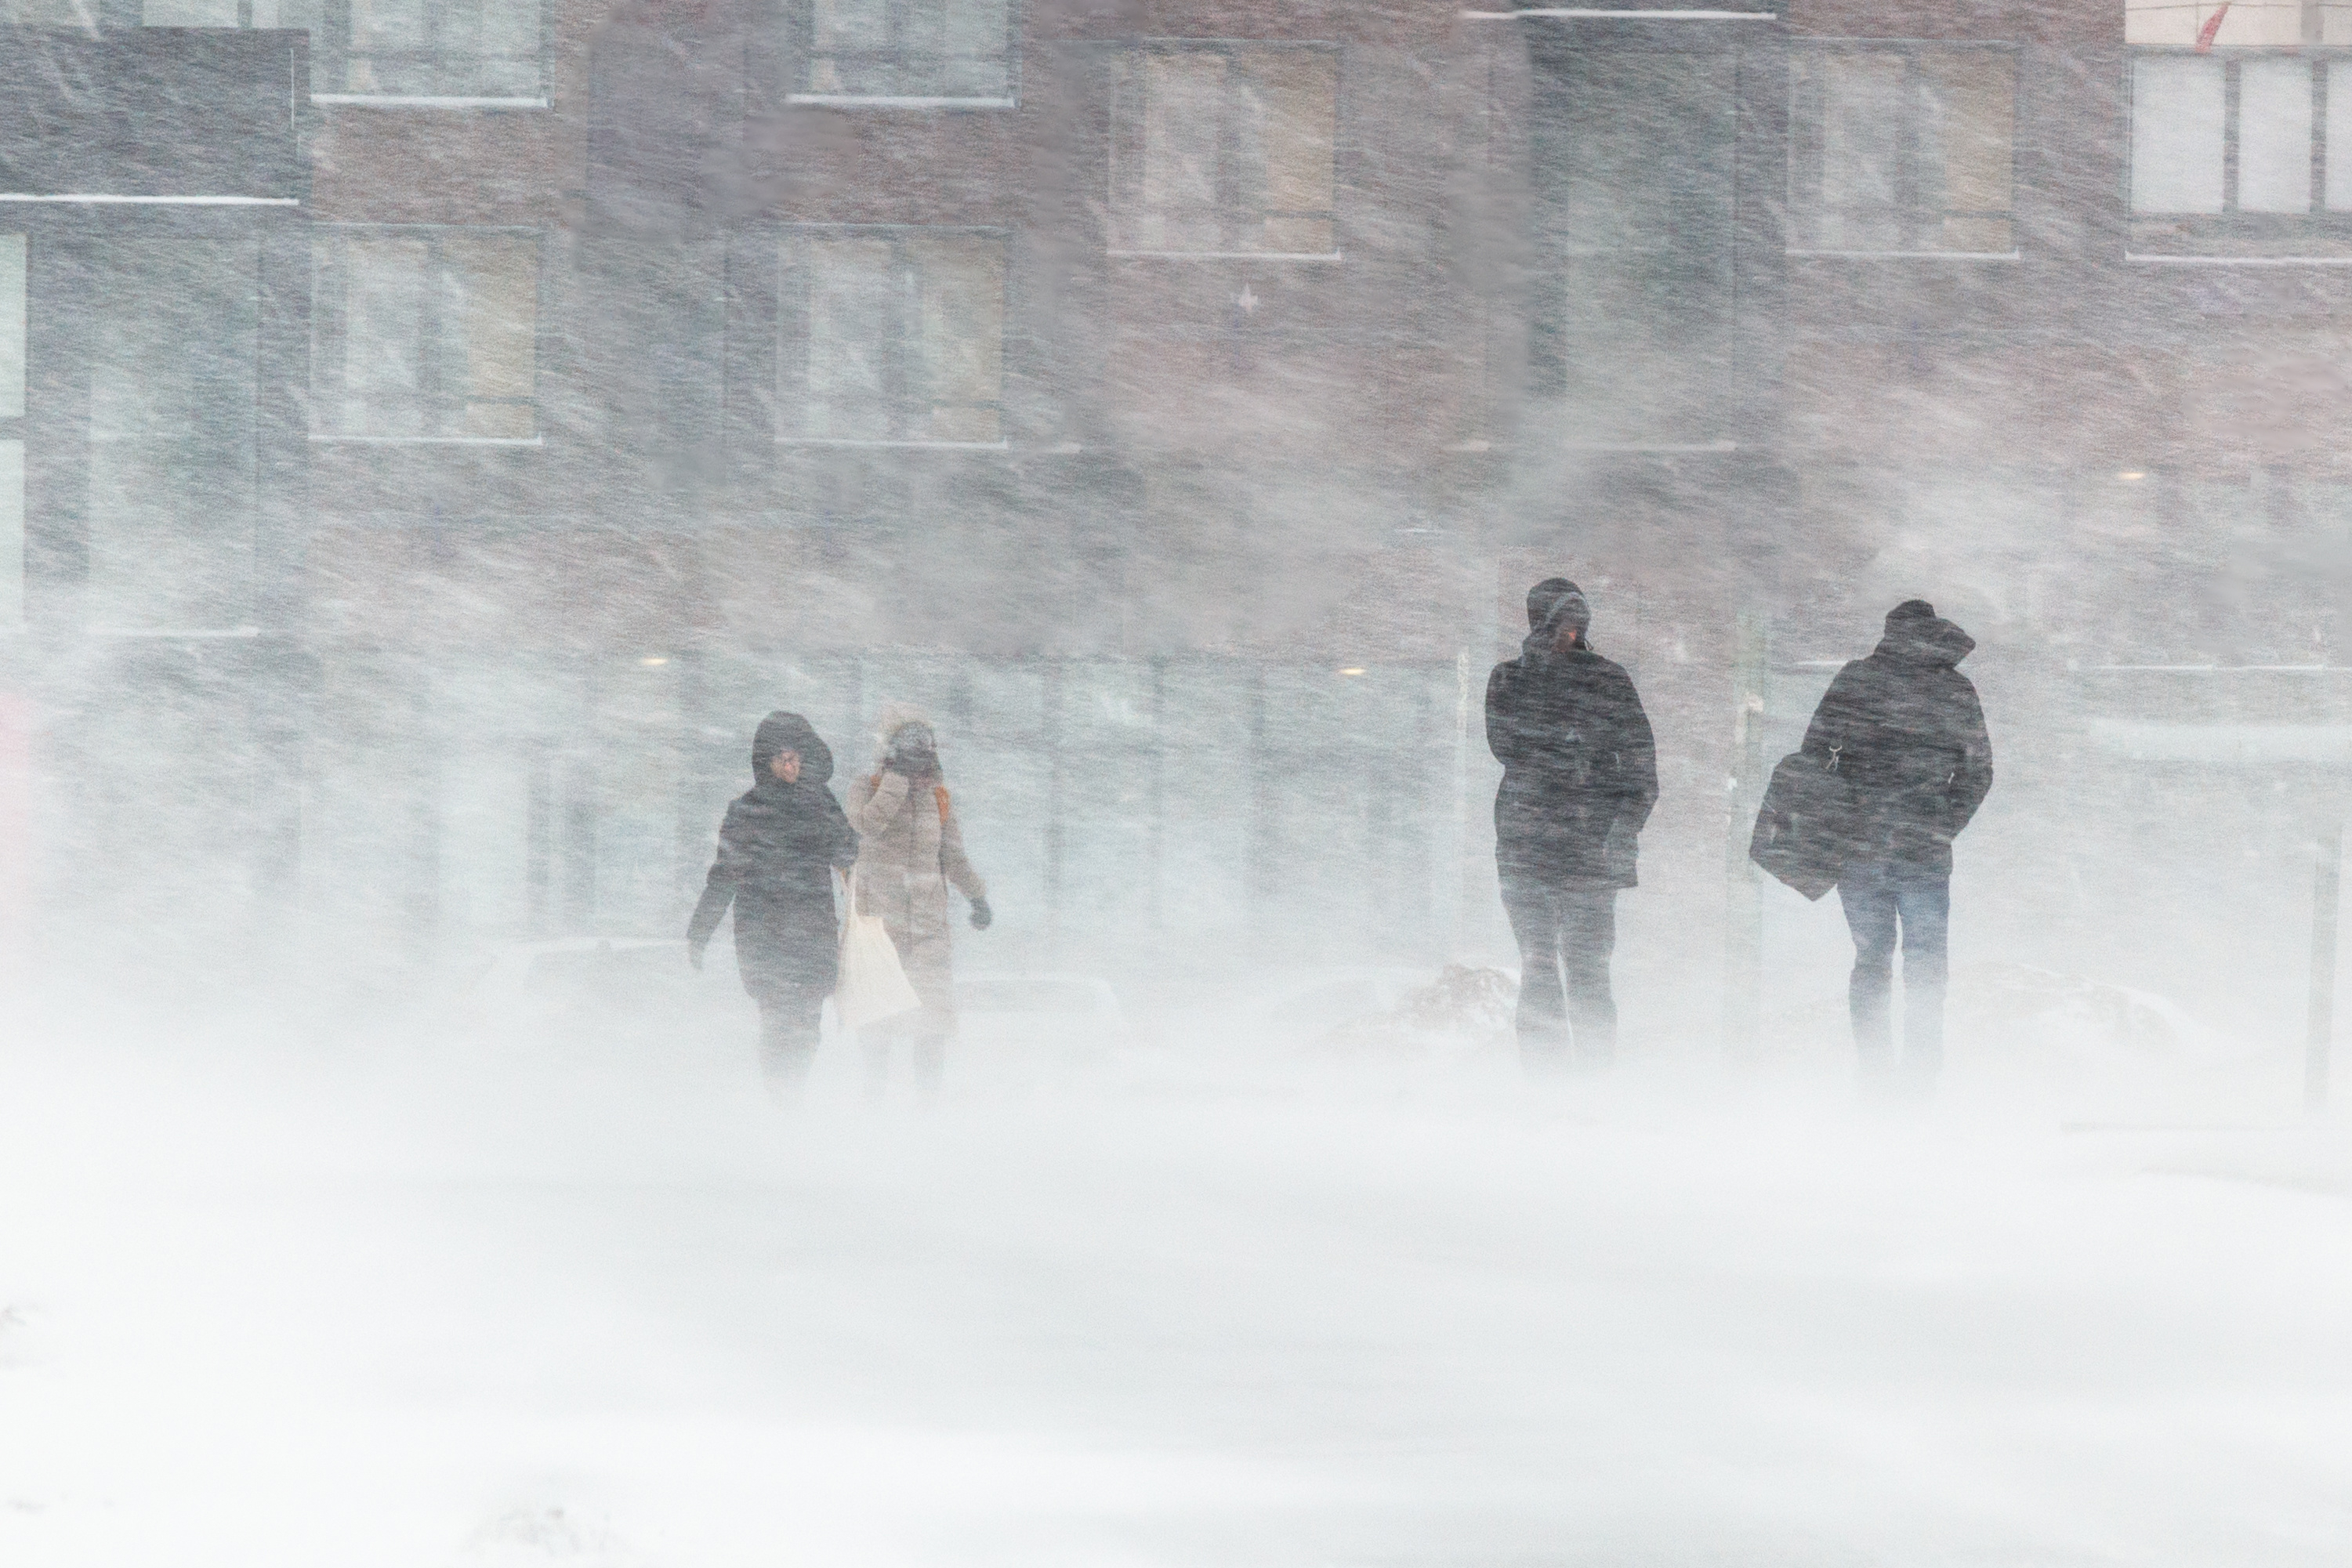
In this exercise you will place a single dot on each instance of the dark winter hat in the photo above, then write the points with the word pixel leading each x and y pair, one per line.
pixel 781 731
pixel 1556 601
pixel 1914 630
pixel 1910 609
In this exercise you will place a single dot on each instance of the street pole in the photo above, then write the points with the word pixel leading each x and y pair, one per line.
pixel 1743 947
pixel 2325 893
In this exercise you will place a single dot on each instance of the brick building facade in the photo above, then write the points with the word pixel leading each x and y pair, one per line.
pixel 1176 397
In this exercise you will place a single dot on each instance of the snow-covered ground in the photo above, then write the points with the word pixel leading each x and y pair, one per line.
pixel 443 1302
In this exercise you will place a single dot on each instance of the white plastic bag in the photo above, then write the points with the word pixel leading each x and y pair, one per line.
pixel 873 984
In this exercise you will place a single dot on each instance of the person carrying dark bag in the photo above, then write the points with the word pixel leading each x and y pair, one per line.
pixel 1579 777
pixel 1903 731
pixel 1805 824
pixel 778 849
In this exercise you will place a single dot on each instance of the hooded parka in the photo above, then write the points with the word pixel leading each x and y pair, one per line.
pixel 1580 764
pixel 910 850
pixel 1908 735
pixel 777 852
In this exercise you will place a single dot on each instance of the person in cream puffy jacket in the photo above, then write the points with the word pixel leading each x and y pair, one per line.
pixel 910 852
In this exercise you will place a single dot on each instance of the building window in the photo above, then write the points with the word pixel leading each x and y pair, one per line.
pixel 2236 24
pixel 11 533
pixel 425 334
pixel 2242 133
pixel 12 448
pixel 79 13
pixel 12 326
pixel 210 14
pixel 1632 336
pixel 169 495
pixel 375 48
pixel 1223 149
pixel 892 335
pixel 951 50
pixel 417 49
pixel 1901 150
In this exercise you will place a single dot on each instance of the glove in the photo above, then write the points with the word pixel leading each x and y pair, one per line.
pixel 981 915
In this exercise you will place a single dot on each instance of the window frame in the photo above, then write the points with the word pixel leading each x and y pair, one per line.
pixel 792 312
pixel 336 14
pixel 17 294
pixel 331 51
pixel 1911 214
pixel 799 31
pixel 16 426
pixel 1579 367
pixel 429 372
pixel 2208 237
pixel 1123 130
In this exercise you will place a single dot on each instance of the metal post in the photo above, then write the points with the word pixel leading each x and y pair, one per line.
pixel 578 783
pixel 690 718
pixel 1743 943
pixel 2325 891
pixel 1056 840
pixel 1262 836
pixel 423 776
pixel 1158 776
pixel 1466 876
pixel 538 839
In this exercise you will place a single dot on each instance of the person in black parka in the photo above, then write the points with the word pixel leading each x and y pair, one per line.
pixel 1906 731
pixel 778 849
pixel 1579 776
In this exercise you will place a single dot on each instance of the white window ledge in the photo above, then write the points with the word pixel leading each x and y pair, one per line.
pixel 171 632
pixel 421 101
pixel 1287 256
pixel 2240 260
pixel 1668 448
pixel 94 199
pixel 1637 15
pixel 2225 743
pixel 886 100
pixel 927 446
pixel 318 440
pixel 1913 255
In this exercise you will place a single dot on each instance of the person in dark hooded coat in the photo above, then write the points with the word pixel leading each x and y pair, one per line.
pixel 778 849
pixel 1905 730
pixel 1579 777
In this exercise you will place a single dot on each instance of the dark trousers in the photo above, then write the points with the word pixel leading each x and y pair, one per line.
pixel 788 1036
pixel 1882 899
pixel 1566 930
